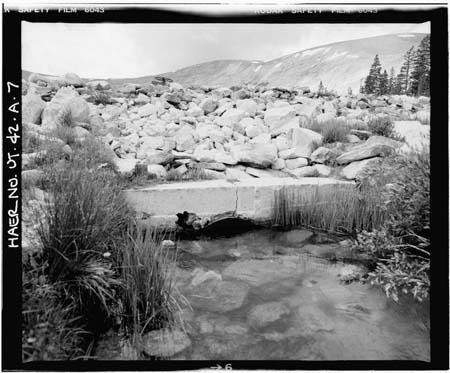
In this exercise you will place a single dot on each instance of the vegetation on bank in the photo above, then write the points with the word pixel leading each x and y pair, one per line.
pixel 95 268
pixel 402 244
pixel 388 217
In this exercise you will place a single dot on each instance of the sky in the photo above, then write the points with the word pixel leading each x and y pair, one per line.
pixel 116 50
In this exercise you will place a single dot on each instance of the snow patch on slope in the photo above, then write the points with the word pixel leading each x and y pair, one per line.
pixel 312 52
pixel 257 68
pixel 336 55
pixel 278 65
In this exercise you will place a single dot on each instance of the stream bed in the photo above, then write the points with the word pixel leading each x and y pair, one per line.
pixel 279 295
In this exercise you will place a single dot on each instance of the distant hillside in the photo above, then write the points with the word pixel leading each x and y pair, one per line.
pixel 338 65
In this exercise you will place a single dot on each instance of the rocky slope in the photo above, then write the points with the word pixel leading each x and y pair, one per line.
pixel 244 132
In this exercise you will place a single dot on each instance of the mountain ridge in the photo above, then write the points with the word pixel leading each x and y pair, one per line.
pixel 340 66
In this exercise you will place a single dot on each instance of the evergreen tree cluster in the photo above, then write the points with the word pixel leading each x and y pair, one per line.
pixel 413 79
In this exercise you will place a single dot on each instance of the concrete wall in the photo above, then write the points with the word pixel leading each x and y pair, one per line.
pixel 252 198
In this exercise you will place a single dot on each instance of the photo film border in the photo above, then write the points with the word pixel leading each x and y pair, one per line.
pixel 11 315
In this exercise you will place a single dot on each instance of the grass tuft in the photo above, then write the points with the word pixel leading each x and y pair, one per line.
pixel 148 290
pixel 338 210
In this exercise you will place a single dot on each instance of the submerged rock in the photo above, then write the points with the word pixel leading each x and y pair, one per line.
pixel 165 342
pixel 267 313
pixel 258 272
pixel 219 296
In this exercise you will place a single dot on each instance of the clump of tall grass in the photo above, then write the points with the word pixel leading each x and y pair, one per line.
pixel 337 210
pixel 148 292
pixel 50 329
pixel 101 98
pixel 84 220
pixel 332 130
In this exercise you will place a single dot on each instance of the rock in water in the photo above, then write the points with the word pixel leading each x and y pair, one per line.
pixel 218 296
pixel 165 342
pixel 267 313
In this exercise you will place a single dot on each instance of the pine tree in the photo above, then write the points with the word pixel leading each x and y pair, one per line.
pixel 404 78
pixel 391 82
pixel 321 89
pixel 384 83
pixel 420 75
pixel 372 82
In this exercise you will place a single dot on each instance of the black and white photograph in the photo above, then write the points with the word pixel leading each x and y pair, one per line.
pixel 224 184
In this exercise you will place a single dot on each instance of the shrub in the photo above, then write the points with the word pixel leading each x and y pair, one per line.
pixel 331 130
pixel 65 118
pixel 84 220
pixel 173 175
pixel 101 98
pixel 66 134
pixel 92 153
pixel 148 292
pixel 381 126
pixel 402 245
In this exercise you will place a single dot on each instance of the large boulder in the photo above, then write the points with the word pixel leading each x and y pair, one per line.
pixel 147 110
pixel 291 124
pixel 231 117
pixel 294 163
pixel 208 105
pixel 356 169
pixel 277 116
pixel 70 79
pixel 415 134
pixel 258 155
pixel 248 106
pixel 32 108
pixel 157 171
pixel 302 143
pixel 305 139
pixel 125 166
pixel 66 99
pixel 157 157
pixel 185 138
pixel 381 140
pixel 307 107
pixel 323 155
pixel 364 152
pixel 151 143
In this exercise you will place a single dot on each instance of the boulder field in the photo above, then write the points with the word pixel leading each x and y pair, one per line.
pixel 239 132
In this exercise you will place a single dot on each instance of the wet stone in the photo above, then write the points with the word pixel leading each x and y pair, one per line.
pixel 258 272
pixel 165 343
pixel 219 296
pixel 297 236
pixel 267 313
